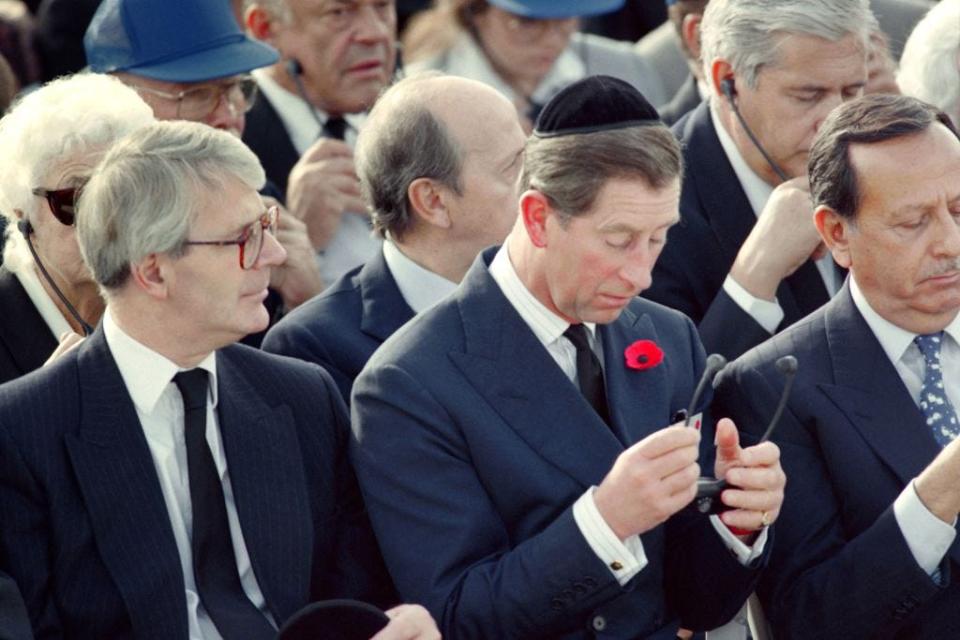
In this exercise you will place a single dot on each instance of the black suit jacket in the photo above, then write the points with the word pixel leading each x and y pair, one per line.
pixel 86 533
pixel 266 135
pixel 342 327
pixel 715 219
pixel 25 339
pixel 851 439
pixel 14 623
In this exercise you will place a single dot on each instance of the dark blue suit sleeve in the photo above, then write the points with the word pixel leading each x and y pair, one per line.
pixel 444 541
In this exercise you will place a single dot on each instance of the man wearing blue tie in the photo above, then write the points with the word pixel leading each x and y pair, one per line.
pixel 513 441
pixel 866 540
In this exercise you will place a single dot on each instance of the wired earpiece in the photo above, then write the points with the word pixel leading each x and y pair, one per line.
pixel 729 89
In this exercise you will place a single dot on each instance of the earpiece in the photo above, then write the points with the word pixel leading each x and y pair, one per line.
pixel 728 88
pixel 25 228
pixel 294 68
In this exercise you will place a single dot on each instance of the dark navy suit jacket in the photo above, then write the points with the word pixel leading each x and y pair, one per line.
pixel 25 339
pixel 86 533
pixel 342 327
pixel 471 447
pixel 851 439
pixel 266 135
pixel 715 219
pixel 14 623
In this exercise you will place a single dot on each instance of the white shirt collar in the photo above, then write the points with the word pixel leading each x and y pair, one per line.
pixel 295 113
pixel 420 287
pixel 757 189
pixel 468 60
pixel 145 372
pixel 893 339
pixel 44 304
pixel 545 324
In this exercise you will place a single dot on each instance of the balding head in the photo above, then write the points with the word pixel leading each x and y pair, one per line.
pixel 426 128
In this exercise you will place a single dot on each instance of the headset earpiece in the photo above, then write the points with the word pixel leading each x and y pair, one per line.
pixel 728 88
pixel 25 228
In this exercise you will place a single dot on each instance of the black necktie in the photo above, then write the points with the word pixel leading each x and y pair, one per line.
pixel 335 128
pixel 214 562
pixel 589 371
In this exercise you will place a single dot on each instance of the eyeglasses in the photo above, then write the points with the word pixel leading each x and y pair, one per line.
pixel 198 103
pixel 536 28
pixel 62 202
pixel 251 238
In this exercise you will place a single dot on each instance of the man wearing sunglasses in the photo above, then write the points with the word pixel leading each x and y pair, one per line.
pixel 159 482
pixel 190 61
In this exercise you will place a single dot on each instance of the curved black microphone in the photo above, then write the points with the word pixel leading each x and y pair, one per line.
pixel 715 362
pixel 26 229
pixel 729 90
pixel 787 365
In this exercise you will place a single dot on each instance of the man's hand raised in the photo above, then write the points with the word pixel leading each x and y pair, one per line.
pixel 409 622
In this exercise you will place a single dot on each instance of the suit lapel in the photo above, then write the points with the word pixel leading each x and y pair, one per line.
pixel 269 487
pixel 871 394
pixel 118 480
pixel 384 309
pixel 508 366
pixel 25 333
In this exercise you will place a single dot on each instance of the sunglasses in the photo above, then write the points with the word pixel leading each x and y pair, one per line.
pixel 62 202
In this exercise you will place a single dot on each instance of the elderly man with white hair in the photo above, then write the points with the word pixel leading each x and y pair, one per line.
pixel 930 66
pixel 56 135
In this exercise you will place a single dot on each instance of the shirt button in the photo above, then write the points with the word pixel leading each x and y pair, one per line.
pixel 616 565
pixel 599 623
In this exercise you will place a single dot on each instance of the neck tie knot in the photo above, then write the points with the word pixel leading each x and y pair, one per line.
pixel 929 346
pixel 193 387
pixel 336 128
pixel 577 334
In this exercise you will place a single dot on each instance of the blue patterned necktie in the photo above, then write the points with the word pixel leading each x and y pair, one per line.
pixel 936 407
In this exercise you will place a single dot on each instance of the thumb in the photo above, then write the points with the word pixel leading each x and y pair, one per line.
pixel 727 440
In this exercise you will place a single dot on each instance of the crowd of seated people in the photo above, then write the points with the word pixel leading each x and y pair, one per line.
pixel 385 320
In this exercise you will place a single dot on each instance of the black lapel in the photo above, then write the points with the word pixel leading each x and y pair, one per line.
pixel 24 334
pixel 508 366
pixel 384 309
pixel 118 480
pixel 266 135
pixel 269 485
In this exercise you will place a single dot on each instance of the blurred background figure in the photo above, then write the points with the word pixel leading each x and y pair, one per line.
pixel 528 49
pixel 685 17
pixel 57 134
pixel 930 66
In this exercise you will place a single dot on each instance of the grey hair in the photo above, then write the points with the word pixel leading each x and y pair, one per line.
pixel 747 33
pixel 65 119
pixel 146 192
pixel 403 141
pixel 930 65
pixel 279 9
pixel 571 170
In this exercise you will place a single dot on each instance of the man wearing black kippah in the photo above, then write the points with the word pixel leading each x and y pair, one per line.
pixel 512 442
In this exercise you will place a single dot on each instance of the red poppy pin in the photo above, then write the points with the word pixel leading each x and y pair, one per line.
pixel 643 354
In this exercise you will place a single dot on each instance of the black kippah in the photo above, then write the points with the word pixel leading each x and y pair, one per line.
pixel 596 103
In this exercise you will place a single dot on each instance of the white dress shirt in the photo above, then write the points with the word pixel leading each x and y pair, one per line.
pixel 148 377
pixel 44 304
pixel 353 244
pixel 627 558
pixel 928 537
pixel 420 287
pixel 768 314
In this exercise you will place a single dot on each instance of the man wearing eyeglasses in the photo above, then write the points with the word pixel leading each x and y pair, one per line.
pixel 159 482
pixel 190 61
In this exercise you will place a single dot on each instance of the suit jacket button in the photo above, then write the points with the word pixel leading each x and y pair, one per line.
pixel 616 565
pixel 599 623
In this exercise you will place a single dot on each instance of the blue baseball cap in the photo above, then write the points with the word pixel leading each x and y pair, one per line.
pixel 548 9
pixel 172 40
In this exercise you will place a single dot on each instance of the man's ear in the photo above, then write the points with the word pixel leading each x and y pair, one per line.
pixel 720 70
pixel 151 275
pixel 835 231
pixel 259 22
pixel 690 31
pixel 429 202
pixel 534 211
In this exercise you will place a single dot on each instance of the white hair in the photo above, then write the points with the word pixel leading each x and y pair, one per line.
pixel 930 65
pixel 61 121
pixel 746 33
pixel 148 189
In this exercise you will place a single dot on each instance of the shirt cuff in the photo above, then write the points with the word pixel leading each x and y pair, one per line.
pixel 928 537
pixel 768 314
pixel 745 555
pixel 624 559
